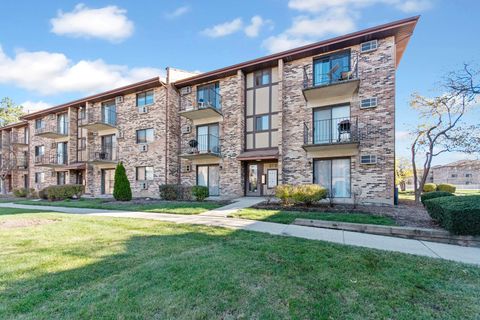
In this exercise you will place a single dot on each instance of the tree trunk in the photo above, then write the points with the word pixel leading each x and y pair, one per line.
pixel 403 186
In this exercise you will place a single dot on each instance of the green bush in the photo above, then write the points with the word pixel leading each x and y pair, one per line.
pixel 433 195
pixel 121 186
pixel 284 193
pixel 200 192
pixel 459 215
pixel 20 193
pixel 62 192
pixel 308 193
pixel 429 187
pixel 169 191
pixel 446 187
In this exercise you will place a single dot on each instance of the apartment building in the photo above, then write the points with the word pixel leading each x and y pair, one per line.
pixel 14 156
pixel 322 113
pixel 465 174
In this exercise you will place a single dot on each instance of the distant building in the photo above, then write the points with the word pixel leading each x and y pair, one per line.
pixel 465 174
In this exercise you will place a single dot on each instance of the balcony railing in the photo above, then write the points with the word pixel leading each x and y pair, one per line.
pixel 194 106
pixel 331 131
pixel 335 73
pixel 206 144
pixel 57 159
pixel 52 131
pixel 98 119
pixel 105 153
pixel 19 139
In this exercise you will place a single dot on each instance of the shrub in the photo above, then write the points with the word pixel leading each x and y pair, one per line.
pixel 284 193
pixel 200 192
pixel 433 195
pixel 62 192
pixel 446 187
pixel 308 193
pixel 121 186
pixel 20 193
pixel 169 191
pixel 459 215
pixel 429 187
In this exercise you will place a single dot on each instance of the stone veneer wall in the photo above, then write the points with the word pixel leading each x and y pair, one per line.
pixel 377 125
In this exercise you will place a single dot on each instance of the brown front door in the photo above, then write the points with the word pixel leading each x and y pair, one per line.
pixel 254 171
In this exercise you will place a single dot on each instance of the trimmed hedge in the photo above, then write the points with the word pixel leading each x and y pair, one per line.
pixel 62 192
pixel 302 193
pixel 459 215
pixel 175 192
pixel 200 192
pixel 433 195
pixel 446 187
pixel 429 187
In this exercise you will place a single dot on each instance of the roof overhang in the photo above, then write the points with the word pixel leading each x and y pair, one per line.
pixel 401 30
pixel 135 87
pixel 267 154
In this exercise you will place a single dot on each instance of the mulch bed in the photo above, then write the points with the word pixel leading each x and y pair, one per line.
pixel 406 213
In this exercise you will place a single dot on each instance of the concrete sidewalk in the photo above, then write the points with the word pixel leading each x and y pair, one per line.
pixel 238 204
pixel 422 248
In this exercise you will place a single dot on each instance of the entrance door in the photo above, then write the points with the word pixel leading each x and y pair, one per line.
pixel 253 179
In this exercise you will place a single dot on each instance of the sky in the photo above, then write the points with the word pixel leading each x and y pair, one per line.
pixel 57 51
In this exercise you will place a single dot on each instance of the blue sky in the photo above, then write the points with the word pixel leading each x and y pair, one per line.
pixel 56 51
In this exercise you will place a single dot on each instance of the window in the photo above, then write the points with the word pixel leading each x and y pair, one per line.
pixel 262 77
pixel 207 138
pixel 332 125
pixel 454 175
pixel 331 69
pixel 368 103
pixel 62 123
pixel 145 136
pixel 109 112
pixel 145 98
pixel 368 159
pixel 26 135
pixel 81 113
pixel 369 46
pixel 209 96
pixel 468 175
pixel 334 175
pixel 61 178
pixel 39 124
pixel 144 173
pixel 39 151
pixel 39 177
pixel 209 176
pixel 262 123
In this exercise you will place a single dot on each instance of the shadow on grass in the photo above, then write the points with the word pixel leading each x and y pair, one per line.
pixel 212 273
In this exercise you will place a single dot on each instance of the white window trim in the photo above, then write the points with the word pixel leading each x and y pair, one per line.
pixel 371 49
pixel 370 101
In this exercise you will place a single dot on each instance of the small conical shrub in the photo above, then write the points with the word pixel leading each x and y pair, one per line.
pixel 121 187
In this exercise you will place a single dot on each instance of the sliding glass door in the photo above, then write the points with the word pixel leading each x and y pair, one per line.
pixel 327 123
pixel 209 176
pixel 329 69
pixel 333 174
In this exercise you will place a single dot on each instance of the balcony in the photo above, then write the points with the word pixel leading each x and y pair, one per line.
pixel 22 163
pixel 331 78
pixel 53 161
pixel 204 147
pixel 104 155
pixel 19 140
pixel 52 131
pixel 196 106
pixel 331 134
pixel 99 120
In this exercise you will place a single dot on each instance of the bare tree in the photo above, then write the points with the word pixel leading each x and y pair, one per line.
pixel 443 128
pixel 8 163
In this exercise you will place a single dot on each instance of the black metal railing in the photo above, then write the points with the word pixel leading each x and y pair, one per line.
pixel 55 159
pixel 106 152
pixel 203 144
pixel 209 98
pixel 22 162
pixel 57 129
pixel 106 116
pixel 18 139
pixel 331 131
pixel 336 73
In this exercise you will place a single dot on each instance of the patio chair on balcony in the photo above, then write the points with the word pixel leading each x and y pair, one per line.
pixel 344 130
pixel 193 144
pixel 347 75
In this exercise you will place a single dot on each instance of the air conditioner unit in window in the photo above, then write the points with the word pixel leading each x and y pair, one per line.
pixel 143 148
pixel 185 90
pixel 143 109
pixel 144 185
pixel 119 99
pixel 187 129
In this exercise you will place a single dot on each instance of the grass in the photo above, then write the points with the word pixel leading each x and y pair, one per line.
pixel 287 217
pixel 409 195
pixel 160 207
pixel 82 267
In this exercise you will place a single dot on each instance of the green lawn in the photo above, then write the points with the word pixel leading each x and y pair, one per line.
pixel 409 195
pixel 287 217
pixel 160 207
pixel 80 267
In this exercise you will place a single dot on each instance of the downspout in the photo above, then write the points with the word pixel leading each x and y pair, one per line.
pixel 166 126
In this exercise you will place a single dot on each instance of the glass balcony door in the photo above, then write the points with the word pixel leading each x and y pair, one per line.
pixel 61 157
pixel 107 148
pixel 207 138
pixel 62 124
pixel 328 124
pixel 329 69
pixel 109 113
pixel 209 96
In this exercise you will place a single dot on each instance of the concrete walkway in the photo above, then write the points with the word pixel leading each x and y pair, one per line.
pixel 238 204
pixel 422 248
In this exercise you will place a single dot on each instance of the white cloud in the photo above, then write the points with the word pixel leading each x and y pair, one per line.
pixel 283 42
pixel 52 73
pixel 224 29
pixel 413 5
pixel 33 106
pixel 320 5
pixel 180 11
pixel 333 21
pixel 256 23
pixel 110 23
